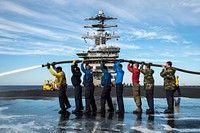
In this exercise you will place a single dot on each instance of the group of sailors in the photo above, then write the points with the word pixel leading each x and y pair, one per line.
pixel 168 73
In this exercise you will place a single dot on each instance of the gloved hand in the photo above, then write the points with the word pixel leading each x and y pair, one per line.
pixel 102 62
pixel 53 63
pixel 48 65
pixel 74 62
pixel 121 60
pixel 150 63
pixel 143 63
pixel 131 62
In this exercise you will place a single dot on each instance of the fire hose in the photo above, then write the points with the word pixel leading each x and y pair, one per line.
pixel 122 60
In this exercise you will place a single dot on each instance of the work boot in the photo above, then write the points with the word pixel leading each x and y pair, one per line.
pixel 137 111
pixel 82 108
pixel 68 106
pixel 149 111
pixel 119 112
pixel 110 110
pixel 73 111
pixel 76 111
pixel 94 110
pixel 62 111
pixel 168 111
pixel 87 112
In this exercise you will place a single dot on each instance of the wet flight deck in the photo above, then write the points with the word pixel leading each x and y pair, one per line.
pixel 25 115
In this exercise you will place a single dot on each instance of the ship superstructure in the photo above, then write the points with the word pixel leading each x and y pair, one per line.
pixel 100 51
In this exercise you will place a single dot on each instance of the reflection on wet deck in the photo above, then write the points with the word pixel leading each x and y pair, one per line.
pixel 41 116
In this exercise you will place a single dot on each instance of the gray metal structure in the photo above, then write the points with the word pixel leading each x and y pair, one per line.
pixel 100 51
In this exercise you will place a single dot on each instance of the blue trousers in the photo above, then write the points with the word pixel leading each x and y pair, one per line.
pixel 105 96
pixel 78 97
pixel 89 98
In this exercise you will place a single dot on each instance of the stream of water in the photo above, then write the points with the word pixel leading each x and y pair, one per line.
pixel 20 70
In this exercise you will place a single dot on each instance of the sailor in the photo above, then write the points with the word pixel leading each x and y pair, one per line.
pixel 168 73
pixel 119 87
pixel 106 83
pixel 136 86
pixel 177 86
pixel 89 88
pixel 76 82
pixel 148 86
pixel 61 84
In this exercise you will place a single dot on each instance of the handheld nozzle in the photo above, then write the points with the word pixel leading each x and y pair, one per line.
pixel 44 65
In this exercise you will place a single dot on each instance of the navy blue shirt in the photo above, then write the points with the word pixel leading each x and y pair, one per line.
pixel 106 78
pixel 88 77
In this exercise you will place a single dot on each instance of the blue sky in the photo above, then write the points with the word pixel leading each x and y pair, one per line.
pixel 34 32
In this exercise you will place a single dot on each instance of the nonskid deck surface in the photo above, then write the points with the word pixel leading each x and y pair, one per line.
pixel 22 115
pixel 36 92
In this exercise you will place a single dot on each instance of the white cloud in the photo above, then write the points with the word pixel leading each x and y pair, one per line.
pixel 127 46
pixel 187 42
pixel 59 46
pixel 196 59
pixel 33 30
pixel 194 53
pixel 194 3
pixel 7 35
pixel 144 34
pixel 153 60
pixel 118 11
pixel 13 7
pixel 19 51
pixel 167 54
pixel 146 54
pixel 39 48
pixel 60 19
pixel 169 38
pixel 150 34
pixel 187 47
pixel 61 2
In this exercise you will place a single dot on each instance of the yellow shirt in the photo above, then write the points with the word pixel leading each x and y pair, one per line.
pixel 177 81
pixel 60 78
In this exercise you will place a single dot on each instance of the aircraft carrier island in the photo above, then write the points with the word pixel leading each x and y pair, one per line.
pixel 100 51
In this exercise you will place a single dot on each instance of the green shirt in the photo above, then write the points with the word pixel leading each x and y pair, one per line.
pixel 148 78
pixel 169 78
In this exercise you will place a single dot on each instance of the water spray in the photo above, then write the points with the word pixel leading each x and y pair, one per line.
pixel 20 70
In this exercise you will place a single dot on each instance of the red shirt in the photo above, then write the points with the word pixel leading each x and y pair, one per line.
pixel 135 74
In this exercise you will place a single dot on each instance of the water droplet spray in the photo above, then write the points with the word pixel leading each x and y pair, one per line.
pixel 20 70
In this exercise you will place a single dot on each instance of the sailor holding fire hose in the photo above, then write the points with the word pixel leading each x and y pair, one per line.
pixel 89 88
pixel 76 82
pixel 61 83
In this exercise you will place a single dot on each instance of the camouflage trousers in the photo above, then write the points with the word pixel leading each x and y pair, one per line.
pixel 136 95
